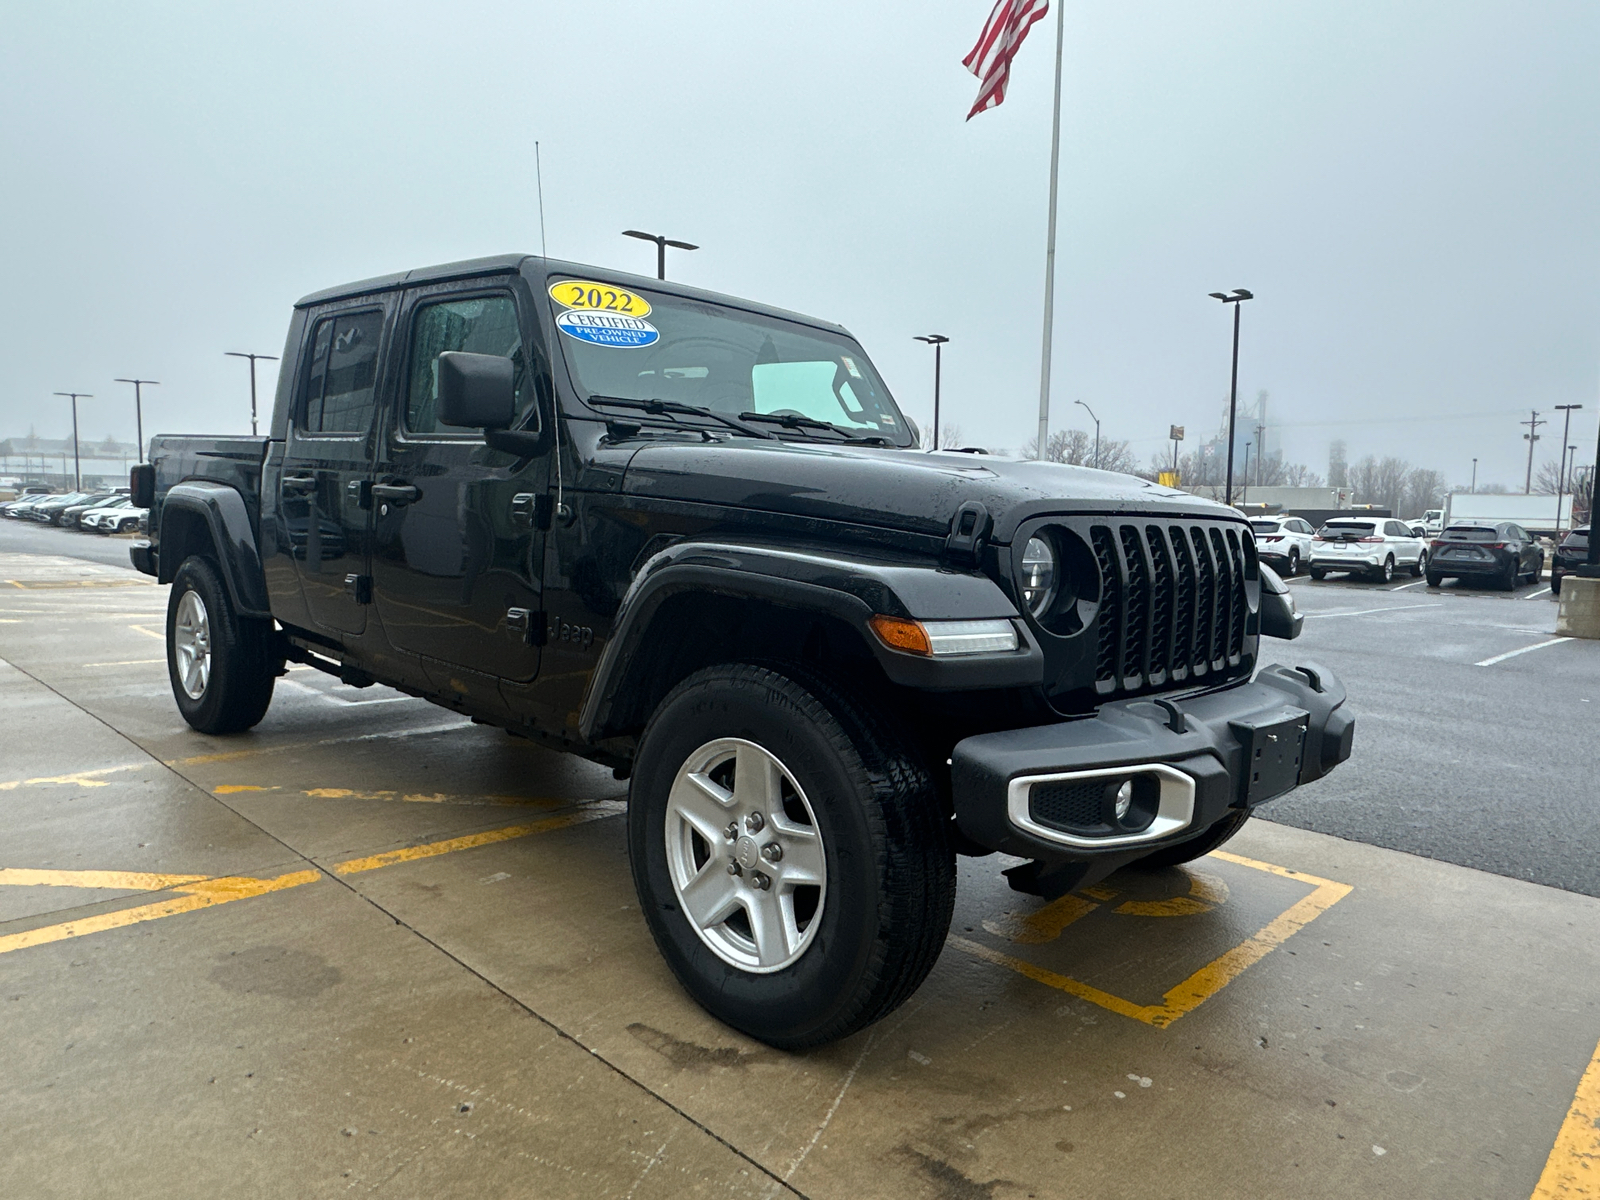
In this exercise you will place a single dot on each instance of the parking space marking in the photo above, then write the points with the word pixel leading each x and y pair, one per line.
pixel 1364 612
pixel 1412 584
pixel 1540 592
pixel 205 894
pixel 129 881
pixel 498 801
pixel 75 778
pixel 128 662
pixel 160 637
pixel 1498 658
pixel 1572 1172
pixel 1209 979
pixel 599 810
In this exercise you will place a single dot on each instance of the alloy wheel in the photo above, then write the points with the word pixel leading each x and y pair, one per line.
pixel 191 645
pixel 745 854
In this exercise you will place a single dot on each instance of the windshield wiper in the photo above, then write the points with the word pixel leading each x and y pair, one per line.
pixel 659 408
pixel 797 422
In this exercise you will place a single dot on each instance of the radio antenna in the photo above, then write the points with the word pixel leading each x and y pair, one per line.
pixel 538 174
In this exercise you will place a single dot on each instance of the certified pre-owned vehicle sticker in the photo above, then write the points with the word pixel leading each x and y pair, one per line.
pixel 599 297
pixel 607 328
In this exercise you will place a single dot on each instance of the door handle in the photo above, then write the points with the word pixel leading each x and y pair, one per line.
pixel 396 493
pixel 298 483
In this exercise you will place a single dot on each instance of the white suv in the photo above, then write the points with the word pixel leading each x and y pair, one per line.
pixel 1370 546
pixel 1283 542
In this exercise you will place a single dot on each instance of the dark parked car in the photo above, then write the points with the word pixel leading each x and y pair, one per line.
pixel 1502 554
pixel 50 507
pixel 71 517
pixel 704 549
pixel 1569 556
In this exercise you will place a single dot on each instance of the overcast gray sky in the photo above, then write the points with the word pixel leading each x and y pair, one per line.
pixel 1411 187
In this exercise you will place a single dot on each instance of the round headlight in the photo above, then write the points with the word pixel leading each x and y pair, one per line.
pixel 1039 573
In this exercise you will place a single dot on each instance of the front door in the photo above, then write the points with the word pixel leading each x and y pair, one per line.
pixel 457 558
pixel 328 466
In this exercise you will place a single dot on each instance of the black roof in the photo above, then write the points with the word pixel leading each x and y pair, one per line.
pixel 500 264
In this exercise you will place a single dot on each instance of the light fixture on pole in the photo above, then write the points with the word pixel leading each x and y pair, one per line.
pixel 662 243
pixel 1096 420
pixel 252 358
pixel 937 341
pixel 1561 470
pixel 1236 299
pixel 77 468
pixel 138 408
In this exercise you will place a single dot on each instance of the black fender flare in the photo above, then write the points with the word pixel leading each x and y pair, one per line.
pixel 223 510
pixel 850 589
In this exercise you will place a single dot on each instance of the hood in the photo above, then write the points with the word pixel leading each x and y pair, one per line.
pixel 907 490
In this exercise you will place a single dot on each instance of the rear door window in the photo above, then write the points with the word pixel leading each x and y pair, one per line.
pixel 342 374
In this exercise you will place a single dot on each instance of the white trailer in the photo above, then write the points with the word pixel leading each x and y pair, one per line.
pixel 1536 514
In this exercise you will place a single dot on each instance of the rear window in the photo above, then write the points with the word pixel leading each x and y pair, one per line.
pixel 1578 539
pixel 1471 533
pixel 1346 529
pixel 1264 526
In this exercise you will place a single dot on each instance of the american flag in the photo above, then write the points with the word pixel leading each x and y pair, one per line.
pixel 1002 36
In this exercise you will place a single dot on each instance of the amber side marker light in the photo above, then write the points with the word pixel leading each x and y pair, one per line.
pixel 899 634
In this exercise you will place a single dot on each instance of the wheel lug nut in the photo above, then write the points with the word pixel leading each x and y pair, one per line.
pixel 732 831
pixel 735 869
pixel 758 880
pixel 754 822
pixel 772 852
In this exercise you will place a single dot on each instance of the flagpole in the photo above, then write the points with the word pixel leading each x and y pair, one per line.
pixel 1050 244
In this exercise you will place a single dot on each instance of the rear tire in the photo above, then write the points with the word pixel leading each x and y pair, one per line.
pixel 1294 563
pixel 1199 847
pixel 1508 578
pixel 1318 574
pixel 221 665
pixel 1555 584
pixel 875 824
pixel 1434 579
pixel 1385 573
pixel 1422 565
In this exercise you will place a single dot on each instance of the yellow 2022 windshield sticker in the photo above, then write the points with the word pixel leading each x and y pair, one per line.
pixel 599 297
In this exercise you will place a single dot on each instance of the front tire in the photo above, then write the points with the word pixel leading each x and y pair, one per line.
pixel 220 664
pixel 796 957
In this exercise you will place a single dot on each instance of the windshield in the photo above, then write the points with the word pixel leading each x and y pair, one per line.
pixel 651 346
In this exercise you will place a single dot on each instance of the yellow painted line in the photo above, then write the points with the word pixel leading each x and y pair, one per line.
pixel 1209 979
pixel 1572 1172
pixel 77 778
pixel 134 881
pixel 160 637
pixel 46 584
pixel 595 812
pixel 207 894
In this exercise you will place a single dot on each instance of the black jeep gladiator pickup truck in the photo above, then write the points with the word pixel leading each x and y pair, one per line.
pixel 693 538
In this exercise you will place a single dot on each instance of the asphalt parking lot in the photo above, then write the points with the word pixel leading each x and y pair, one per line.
pixel 372 947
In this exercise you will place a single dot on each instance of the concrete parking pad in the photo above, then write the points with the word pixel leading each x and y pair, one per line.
pixel 380 948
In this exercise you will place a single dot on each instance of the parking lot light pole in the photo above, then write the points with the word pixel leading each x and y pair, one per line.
pixel 77 469
pixel 1238 297
pixel 1474 477
pixel 1561 471
pixel 252 358
pixel 1096 420
pixel 661 247
pixel 138 408
pixel 937 341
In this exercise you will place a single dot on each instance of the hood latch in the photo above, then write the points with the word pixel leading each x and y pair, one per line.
pixel 969 528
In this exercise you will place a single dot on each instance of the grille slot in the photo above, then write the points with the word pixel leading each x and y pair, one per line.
pixel 1174 603
pixel 1069 804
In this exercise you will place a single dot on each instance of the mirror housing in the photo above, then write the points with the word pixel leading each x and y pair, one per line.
pixel 142 485
pixel 1278 616
pixel 476 390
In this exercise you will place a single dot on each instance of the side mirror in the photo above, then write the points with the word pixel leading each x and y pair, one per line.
pixel 476 390
pixel 1278 616
pixel 142 485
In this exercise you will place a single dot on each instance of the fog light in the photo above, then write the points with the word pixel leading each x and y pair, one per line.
pixel 1124 799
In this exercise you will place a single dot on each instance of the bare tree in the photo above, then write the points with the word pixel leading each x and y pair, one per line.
pixel 1338 468
pixel 1548 480
pixel 1425 488
pixel 1071 446
pixel 1300 475
pixel 951 440
pixel 1583 496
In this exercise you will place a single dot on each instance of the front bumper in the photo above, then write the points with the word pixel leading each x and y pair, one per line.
pixel 1231 749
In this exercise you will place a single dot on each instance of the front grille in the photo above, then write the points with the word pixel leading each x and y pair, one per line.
pixel 1068 804
pixel 1173 603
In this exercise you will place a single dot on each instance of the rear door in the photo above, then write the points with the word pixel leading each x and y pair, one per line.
pixel 457 558
pixel 328 462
